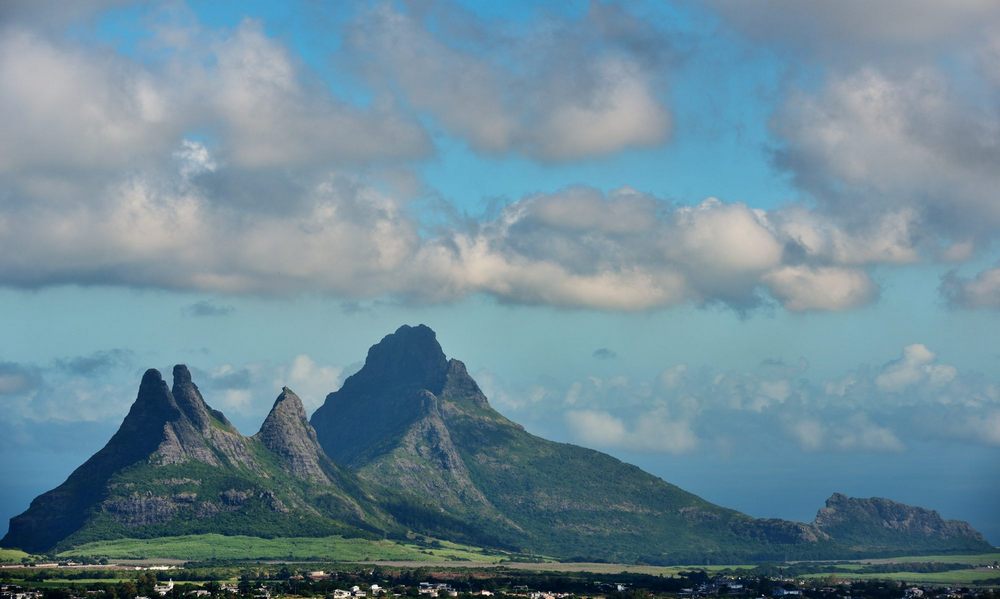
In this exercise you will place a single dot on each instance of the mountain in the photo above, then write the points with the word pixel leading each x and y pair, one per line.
pixel 177 466
pixel 464 471
pixel 410 444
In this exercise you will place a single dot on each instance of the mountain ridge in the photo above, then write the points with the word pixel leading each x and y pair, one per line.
pixel 410 445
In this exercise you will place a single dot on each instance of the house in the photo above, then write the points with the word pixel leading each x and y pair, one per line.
pixel 163 589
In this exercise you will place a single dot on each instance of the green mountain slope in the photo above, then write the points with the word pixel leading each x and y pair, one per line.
pixel 176 466
pixel 433 439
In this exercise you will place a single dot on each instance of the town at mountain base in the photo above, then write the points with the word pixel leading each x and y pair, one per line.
pixel 436 459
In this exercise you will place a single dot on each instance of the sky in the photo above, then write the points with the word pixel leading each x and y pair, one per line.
pixel 751 247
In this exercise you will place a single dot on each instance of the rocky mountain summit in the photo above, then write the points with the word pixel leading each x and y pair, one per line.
pixel 434 459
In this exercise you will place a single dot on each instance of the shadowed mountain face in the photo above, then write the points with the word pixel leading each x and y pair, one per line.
pixel 431 437
pixel 177 466
pixel 423 451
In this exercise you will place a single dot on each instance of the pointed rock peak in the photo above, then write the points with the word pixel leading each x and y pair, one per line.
pixel 287 433
pixel 151 377
pixel 411 355
pixel 288 404
pixel 154 406
pixel 181 374
pixel 190 401
pixel 153 391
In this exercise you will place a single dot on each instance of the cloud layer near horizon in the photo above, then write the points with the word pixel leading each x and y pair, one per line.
pixel 913 398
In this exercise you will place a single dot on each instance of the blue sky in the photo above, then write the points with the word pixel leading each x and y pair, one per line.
pixel 745 246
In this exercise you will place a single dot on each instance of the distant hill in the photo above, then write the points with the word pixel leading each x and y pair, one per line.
pixel 409 445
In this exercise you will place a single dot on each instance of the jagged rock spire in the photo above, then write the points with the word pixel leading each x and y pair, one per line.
pixel 189 398
pixel 287 433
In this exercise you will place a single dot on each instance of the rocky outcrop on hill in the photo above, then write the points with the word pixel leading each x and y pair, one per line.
pixel 883 522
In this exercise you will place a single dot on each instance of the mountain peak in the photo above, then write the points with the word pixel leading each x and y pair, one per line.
pixel 181 374
pixel 189 398
pixel 287 432
pixel 151 377
pixel 288 404
pixel 154 404
pixel 410 356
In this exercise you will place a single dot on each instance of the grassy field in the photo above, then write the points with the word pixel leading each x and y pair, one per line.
pixel 11 555
pixel 57 583
pixel 213 546
pixel 975 576
pixel 975 559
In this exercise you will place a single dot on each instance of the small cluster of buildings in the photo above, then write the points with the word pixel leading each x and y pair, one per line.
pixel 13 591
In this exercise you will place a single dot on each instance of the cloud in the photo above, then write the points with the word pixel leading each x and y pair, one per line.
pixel 577 248
pixel 593 92
pixel 986 428
pixel 896 152
pixel 206 308
pixel 228 166
pixel 802 288
pixel 861 434
pixel 84 111
pixel 864 410
pixel 654 432
pixel 17 379
pixel 603 353
pixel 854 31
pixel 52 13
pixel 809 433
pixel 629 251
pixel 99 362
pixel 230 377
pixel 78 110
pixel 979 292
pixel 312 381
pixel 854 433
pixel 917 366
pixel 271 116
pixel 904 151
